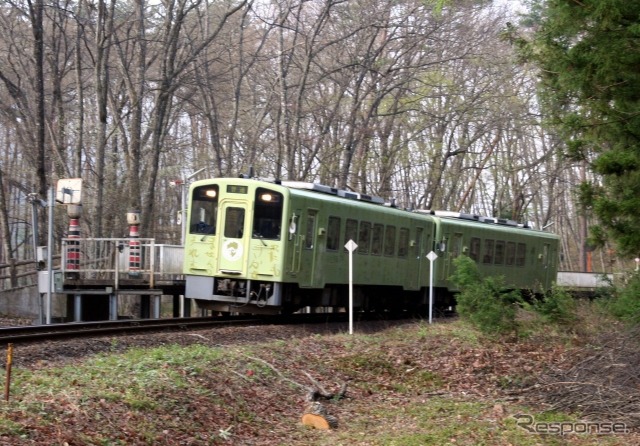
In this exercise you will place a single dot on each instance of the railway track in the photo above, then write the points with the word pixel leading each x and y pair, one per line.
pixel 38 333
pixel 32 333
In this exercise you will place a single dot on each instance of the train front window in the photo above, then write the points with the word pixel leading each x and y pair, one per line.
pixel 267 215
pixel 204 210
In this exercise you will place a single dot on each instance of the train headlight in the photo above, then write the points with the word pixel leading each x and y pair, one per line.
pixel 211 193
pixel 266 197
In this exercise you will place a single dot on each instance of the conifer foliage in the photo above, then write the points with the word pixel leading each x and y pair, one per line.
pixel 588 52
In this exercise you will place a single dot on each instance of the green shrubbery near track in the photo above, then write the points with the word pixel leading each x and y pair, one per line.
pixel 624 302
pixel 493 307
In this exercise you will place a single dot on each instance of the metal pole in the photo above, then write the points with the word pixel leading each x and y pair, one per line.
pixel 77 307
pixel 152 263
pixel 432 256
pixel 350 292
pixel 430 292
pixel 351 246
pixel 183 210
pixel 50 254
pixel 34 226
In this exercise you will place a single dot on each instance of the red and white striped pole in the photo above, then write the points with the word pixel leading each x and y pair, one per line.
pixel 133 219
pixel 73 247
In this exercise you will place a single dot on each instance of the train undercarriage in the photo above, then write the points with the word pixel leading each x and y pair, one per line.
pixel 263 297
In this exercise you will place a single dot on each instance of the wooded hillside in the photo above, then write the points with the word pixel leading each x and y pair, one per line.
pixel 421 101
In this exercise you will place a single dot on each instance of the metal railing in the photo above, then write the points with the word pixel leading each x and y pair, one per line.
pixel 120 258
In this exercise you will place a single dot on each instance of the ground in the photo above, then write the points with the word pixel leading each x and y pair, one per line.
pixel 408 383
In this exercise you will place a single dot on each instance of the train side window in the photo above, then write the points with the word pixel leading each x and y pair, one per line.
pixel 521 254
pixel 488 251
pixel 333 234
pixel 474 249
pixel 351 231
pixel 403 243
pixel 234 223
pixel 364 237
pixel 499 259
pixel 456 245
pixel 267 218
pixel 311 230
pixel 204 210
pixel 376 239
pixel 389 240
pixel 511 253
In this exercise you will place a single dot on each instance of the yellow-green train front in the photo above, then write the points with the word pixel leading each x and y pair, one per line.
pixel 268 247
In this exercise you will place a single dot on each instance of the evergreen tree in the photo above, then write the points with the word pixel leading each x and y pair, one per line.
pixel 588 52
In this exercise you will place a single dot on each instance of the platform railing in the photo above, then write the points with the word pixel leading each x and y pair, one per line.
pixel 113 259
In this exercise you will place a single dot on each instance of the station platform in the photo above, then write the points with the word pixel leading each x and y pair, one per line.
pixel 96 276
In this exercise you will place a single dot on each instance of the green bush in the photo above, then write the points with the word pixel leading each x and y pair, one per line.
pixel 485 302
pixel 625 303
pixel 556 306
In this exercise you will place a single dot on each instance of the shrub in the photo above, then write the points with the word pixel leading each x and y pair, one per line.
pixel 625 304
pixel 556 306
pixel 485 302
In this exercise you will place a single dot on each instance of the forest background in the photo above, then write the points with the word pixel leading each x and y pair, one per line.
pixel 428 102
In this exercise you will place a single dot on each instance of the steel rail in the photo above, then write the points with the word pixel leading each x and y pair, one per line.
pixel 33 333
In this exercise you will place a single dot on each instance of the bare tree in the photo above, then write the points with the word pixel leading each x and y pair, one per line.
pixel 7 246
pixel 175 57
pixel 412 100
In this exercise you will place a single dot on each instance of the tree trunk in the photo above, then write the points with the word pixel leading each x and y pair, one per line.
pixel 6 234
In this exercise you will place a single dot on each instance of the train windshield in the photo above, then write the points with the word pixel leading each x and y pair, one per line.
pixel 267 216
pixel 204 210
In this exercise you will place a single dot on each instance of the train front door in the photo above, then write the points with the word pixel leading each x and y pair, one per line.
pixel 308 249
pixel 234 242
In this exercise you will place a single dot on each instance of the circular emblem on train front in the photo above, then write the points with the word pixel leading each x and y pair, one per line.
pixel 232 250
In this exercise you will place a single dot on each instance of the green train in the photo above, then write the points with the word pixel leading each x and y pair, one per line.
pixel 258 246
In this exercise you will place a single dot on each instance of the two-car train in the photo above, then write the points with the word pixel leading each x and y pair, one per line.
pixel 278 246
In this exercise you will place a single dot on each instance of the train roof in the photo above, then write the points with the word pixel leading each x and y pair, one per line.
pixel 370 199
pixel 478 218
pixel 316 187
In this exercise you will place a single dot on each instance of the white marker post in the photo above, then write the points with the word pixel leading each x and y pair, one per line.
pixel 432 256
pixel 351 246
